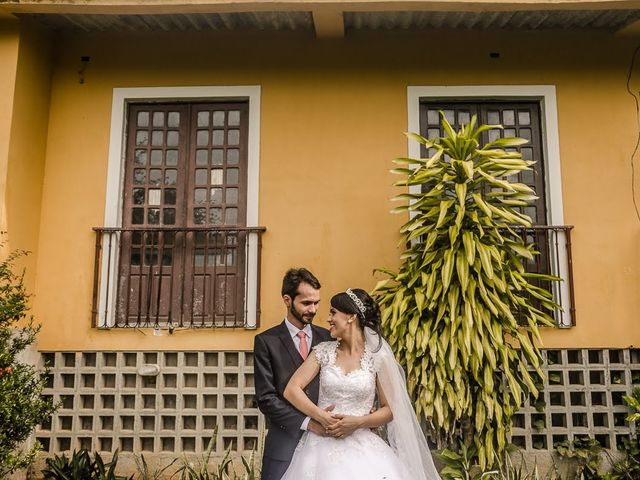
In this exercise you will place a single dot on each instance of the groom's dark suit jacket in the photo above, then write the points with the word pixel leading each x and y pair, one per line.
pixel 275 360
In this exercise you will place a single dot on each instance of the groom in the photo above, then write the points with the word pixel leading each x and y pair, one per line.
pixel 278 352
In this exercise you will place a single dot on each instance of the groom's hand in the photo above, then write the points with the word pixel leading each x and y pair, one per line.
pixel 316 428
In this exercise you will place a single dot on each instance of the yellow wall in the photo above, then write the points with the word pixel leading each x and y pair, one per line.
pixel 30 115
pixel 9 42
pixel 333 113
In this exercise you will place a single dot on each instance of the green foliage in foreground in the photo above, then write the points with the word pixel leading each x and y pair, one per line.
pixel 21 405
pixel 80 466
pixel 452 311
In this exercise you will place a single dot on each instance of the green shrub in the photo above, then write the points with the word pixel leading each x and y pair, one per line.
pixel 462 312
pixel 81 467
pixel 21 404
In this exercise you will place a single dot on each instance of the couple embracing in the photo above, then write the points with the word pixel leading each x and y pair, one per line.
pixel 317 388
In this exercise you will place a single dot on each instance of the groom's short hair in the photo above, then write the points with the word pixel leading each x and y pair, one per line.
pixel 294 277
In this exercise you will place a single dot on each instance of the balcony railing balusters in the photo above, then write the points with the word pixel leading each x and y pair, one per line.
pixel 203 266
pixel 556 261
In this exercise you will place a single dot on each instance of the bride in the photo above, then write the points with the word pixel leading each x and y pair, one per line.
pixel 352 370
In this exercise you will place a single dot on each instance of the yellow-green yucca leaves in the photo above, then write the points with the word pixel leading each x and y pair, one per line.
pixel 451 312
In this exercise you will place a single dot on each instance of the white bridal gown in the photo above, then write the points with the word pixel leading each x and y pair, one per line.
pixel 361 456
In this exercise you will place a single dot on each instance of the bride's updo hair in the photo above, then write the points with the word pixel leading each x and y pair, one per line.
pixel 366 310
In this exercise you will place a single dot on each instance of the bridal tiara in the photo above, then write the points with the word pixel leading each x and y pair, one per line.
pixel 354 298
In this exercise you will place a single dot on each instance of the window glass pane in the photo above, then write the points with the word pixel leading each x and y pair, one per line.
pixel 153 216
pixel 509 132
pixel 216 196
pixel 158 119
pixel 218 118
pixel 171 158
pixel 135 256
pixel 527 177
pixel 173 119
pixel 137 216
pixel 525 133
pixel 232 176
pixel 157 138
pixel 216 157
pixel 201 176
pixel 493 117
pixel 463 118
pixel 215 216
pixel 216 176
pixel 155 176
pixel 494 135
pixel 231 216
pixel 154 196
pixel 170 176
pixel 142 138
pixel 199 215
pixel 140 157
pixel 231 196
pixel 234 118
pixel 233 156
pixel 156 157
pixel 198 260
pixel 200 196
pixel 143 119
pixel 169 196
pixel 202 158
pixel 233 137
pixel 167 256
pixel 509 117
pixel 433 118
pixel 433 133
pixel 172 138
pixel 138 196
pixel 139 176
pixel 202 138
pixel 203 119
pixel 531 211
pixel 524 118
pixel 218 137
pixel 527 153
pixel 169 216
pixel 449 115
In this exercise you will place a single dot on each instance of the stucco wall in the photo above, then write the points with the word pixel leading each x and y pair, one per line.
pixel 332 117
pixel 25 172
pixel 9 41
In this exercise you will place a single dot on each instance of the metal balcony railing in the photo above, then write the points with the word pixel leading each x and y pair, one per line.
pixel 177 277
pixel 554 246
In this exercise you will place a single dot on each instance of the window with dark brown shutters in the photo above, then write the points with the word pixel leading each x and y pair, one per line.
pixel 183 241
pixel 519 119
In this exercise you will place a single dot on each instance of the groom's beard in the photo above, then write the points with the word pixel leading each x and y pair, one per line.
pixel 305 319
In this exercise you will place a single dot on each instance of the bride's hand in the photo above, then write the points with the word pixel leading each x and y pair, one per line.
pixel 344 426
pixel 325 418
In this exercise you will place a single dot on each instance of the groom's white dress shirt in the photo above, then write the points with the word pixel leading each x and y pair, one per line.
pixel 293 331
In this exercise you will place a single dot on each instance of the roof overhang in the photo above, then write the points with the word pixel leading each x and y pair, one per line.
pixel 330 18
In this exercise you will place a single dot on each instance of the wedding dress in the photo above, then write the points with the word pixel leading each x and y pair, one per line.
pixel 363 455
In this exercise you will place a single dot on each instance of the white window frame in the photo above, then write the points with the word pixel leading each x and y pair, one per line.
pixel 115 181
pixel 546 95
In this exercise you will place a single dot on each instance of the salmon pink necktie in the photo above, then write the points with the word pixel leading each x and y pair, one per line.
pixel 304 348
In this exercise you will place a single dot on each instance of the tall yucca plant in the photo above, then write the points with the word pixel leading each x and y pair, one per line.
pixel 452 310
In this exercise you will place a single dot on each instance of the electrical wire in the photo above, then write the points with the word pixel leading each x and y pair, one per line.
pixel 635 96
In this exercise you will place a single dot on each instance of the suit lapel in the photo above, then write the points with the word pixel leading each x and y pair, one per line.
pixel 289 346
pixel 317 336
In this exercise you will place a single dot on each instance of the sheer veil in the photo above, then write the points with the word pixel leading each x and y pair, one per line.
pixel 404 432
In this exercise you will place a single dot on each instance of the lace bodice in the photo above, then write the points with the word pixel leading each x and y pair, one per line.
pixel 352 393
